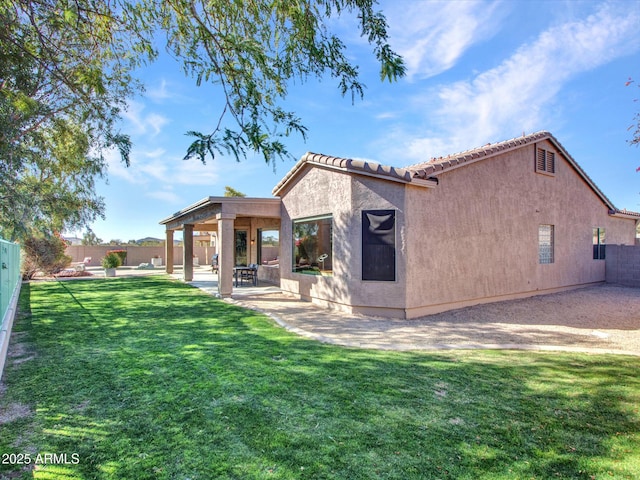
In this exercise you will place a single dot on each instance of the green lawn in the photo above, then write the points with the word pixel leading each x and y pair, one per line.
pixel 148 378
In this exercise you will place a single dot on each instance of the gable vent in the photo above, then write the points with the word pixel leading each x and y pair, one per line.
pixel 545 161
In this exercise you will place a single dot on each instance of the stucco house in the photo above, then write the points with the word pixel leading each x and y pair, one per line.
pixel 507 220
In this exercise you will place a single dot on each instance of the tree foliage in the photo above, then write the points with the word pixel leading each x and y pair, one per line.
pixel 64 78
pixel 90 238
pixel 253 50
pixel 44 254
pixel 636 125
pixel 232 192
pixel 66 75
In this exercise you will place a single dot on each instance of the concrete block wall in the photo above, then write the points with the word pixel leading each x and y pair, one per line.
pixel 623 265
pixel 135 254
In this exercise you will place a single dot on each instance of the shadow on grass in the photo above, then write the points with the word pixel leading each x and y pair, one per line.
pixel 149 378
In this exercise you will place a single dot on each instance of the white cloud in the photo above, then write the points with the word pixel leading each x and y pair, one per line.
pixel 432 36
pixel 193 172
pixel 159 92
pixel 116 168
pixel 143 124
pixel 155 122
pixel 386 115
pixel 168 170
pixel 518 94
pixel 158 152
pixel 166 196
pixel 162 178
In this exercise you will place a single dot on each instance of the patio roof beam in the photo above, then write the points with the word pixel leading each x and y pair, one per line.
pixel 205 227
pixel 199 215
pixel 207 209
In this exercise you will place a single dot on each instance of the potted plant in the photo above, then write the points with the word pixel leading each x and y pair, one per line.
pixel 156 261
pixel 110 262
pixel 122 254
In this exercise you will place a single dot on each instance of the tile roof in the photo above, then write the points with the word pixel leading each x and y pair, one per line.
pixel 624 213
pixel 360 166
pixel 357 166
pixel 442 164
pixel 439 165
pixel 426 173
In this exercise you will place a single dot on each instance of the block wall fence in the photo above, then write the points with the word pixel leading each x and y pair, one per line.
pixel 623 265
pixel 622 261
pixel 135 254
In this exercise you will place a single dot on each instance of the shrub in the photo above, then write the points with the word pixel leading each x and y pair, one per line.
pixel 44 254
pixel 111 260
pixel 122 254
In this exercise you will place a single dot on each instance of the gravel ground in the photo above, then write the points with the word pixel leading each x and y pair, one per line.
pixel 604 318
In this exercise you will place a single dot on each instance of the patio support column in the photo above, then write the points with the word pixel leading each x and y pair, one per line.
pixel 187 252
pixel 253 242
pixel 226 253
pixel 168 252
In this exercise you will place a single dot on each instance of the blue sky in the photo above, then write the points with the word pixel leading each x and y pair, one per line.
pixel 478 72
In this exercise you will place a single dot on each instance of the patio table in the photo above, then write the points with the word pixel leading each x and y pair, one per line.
pixel 237 274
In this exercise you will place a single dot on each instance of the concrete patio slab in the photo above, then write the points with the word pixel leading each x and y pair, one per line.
pixel 597 319
pixel 207 281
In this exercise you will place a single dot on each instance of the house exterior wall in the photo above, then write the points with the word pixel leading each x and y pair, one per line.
pixel 474 239
pixel 321 191
pixel 316 193
pixel 384 298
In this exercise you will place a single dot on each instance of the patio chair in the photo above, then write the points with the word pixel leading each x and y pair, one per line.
pixel 250 274
pixel 80 266
pixel 214 263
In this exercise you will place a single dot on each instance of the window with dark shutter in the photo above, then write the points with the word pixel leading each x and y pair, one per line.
pixel 379 245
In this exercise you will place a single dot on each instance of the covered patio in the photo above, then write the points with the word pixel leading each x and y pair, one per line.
pixel 237 224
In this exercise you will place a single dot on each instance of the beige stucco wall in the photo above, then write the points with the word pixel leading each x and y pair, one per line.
pixel 135 254
pixel 321 191
pixel 475 237
pixel 385 298
pixel 472 239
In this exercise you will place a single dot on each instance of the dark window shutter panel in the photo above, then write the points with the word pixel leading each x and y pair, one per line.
pixel 378 245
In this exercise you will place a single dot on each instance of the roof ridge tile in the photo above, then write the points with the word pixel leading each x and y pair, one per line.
pixel 482 151
pixel 434 166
